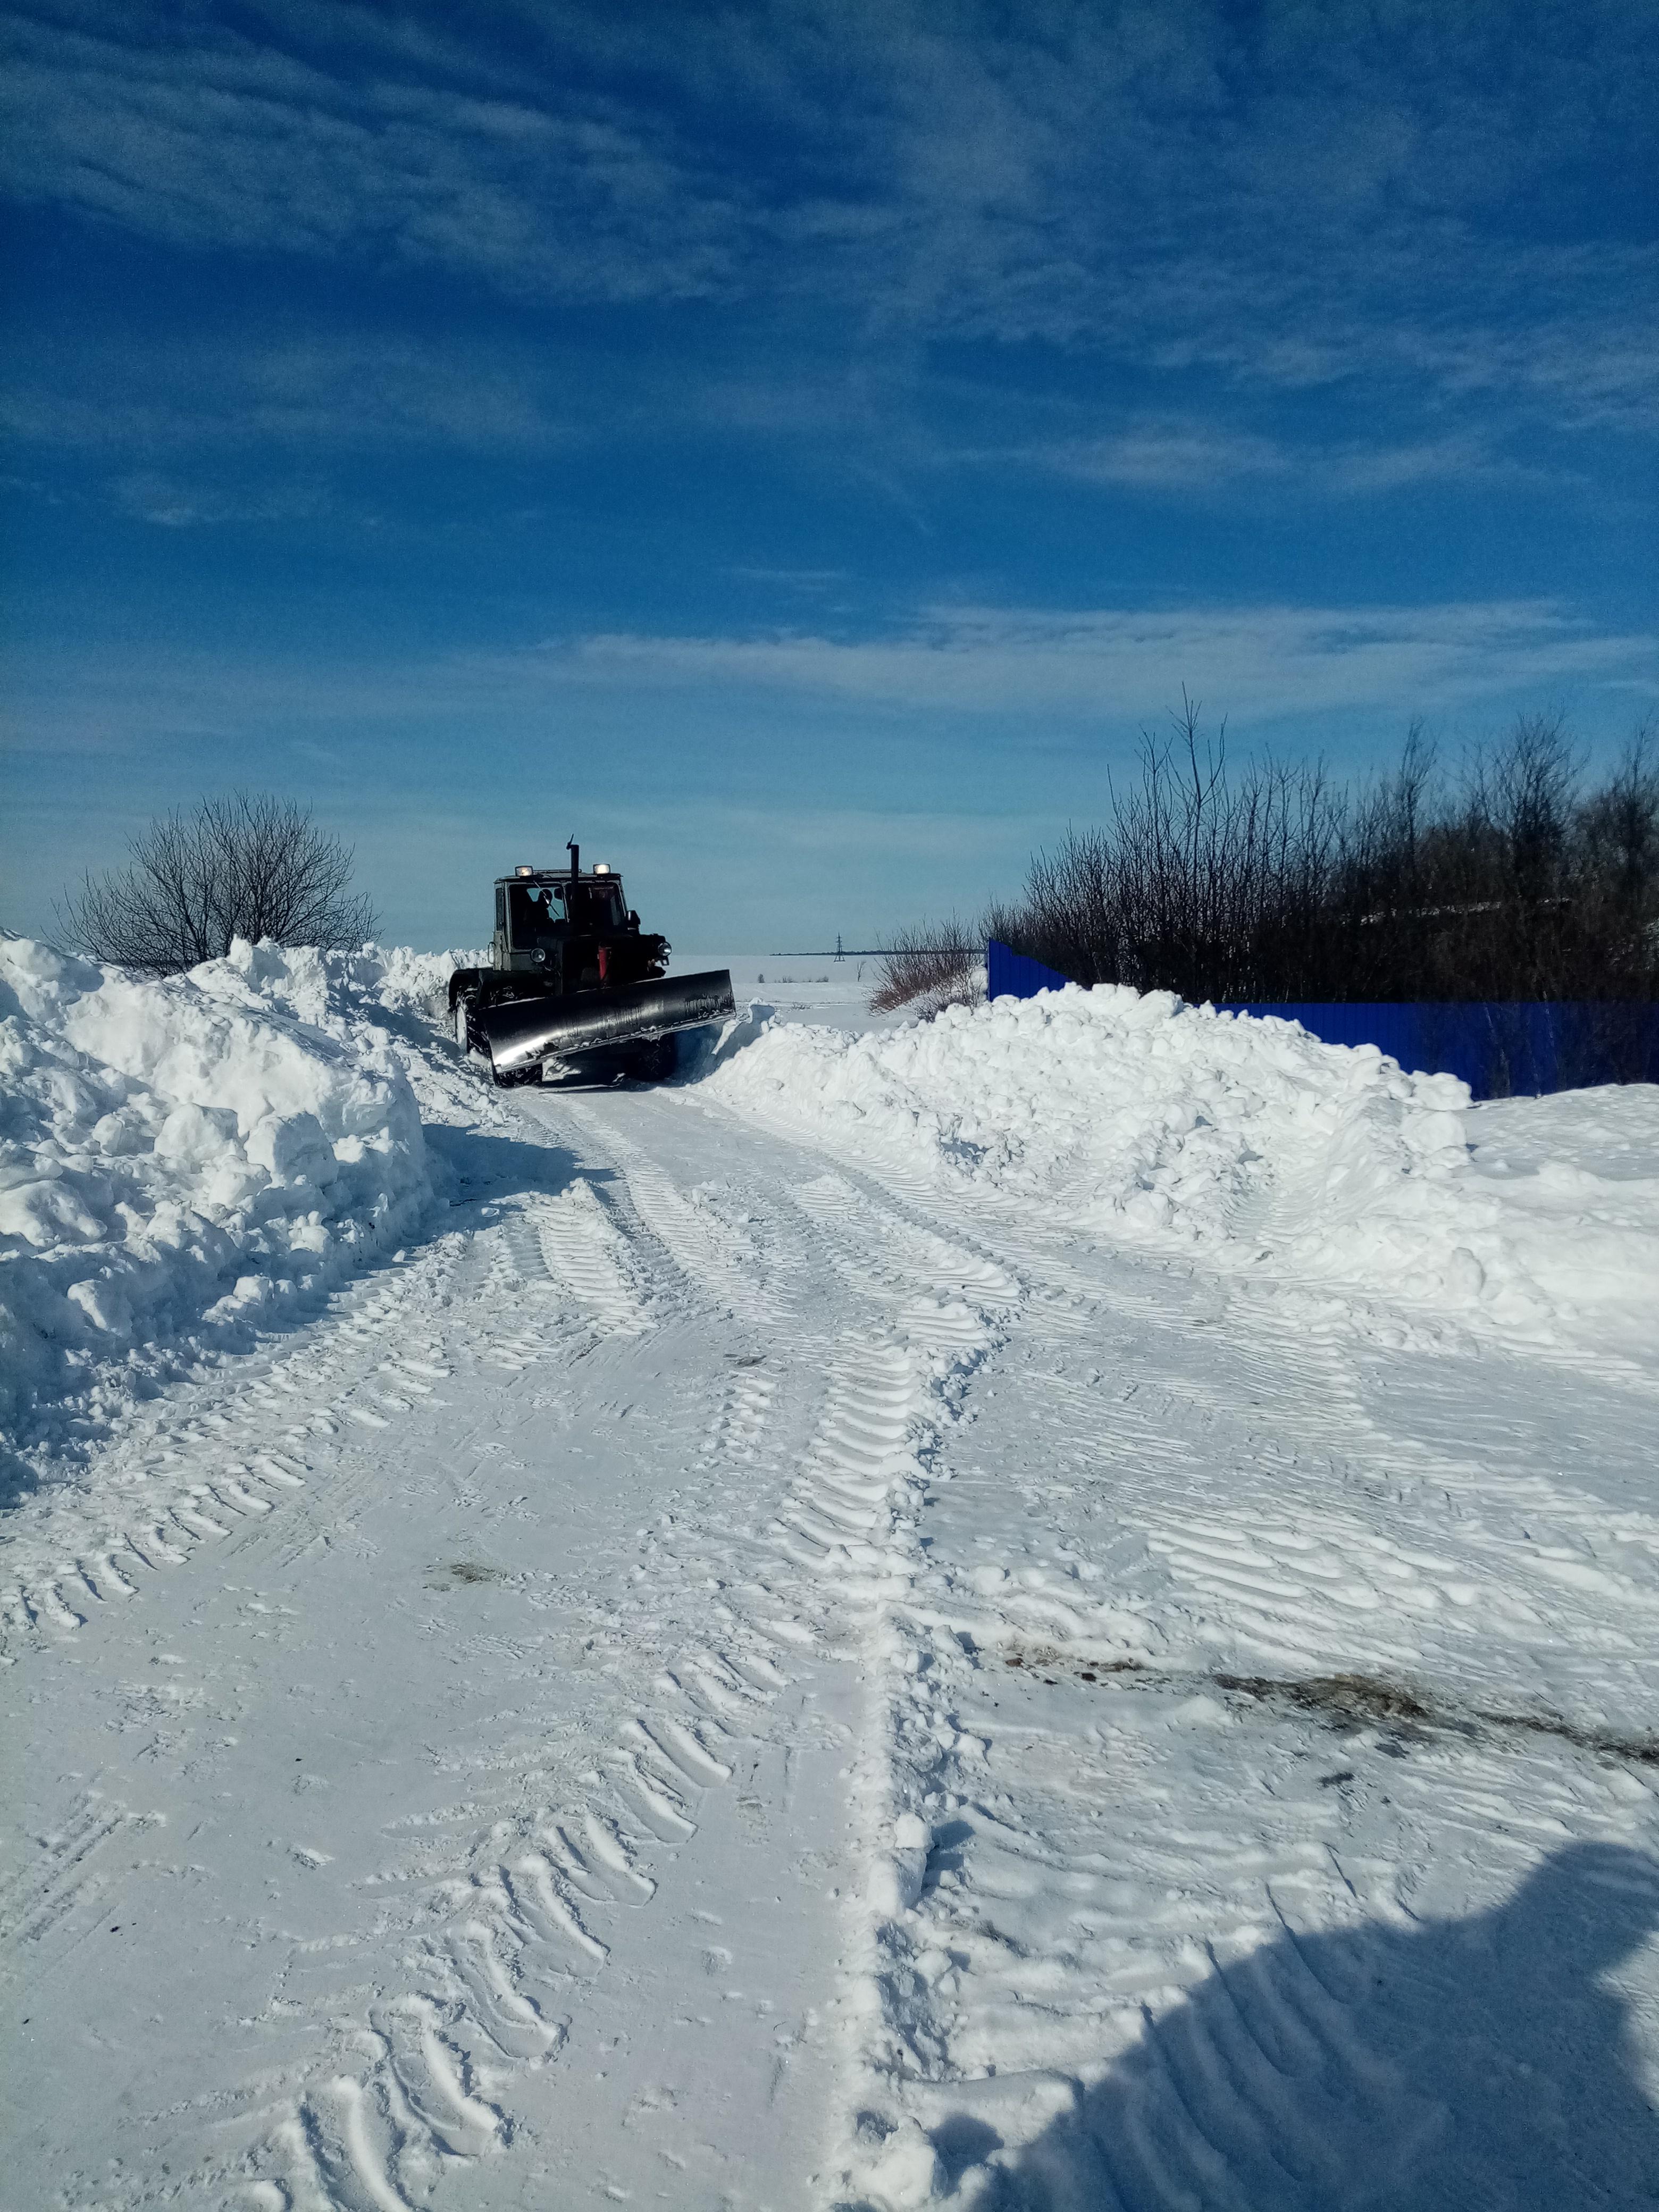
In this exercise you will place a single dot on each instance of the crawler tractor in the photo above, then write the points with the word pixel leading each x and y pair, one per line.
pixel 574 985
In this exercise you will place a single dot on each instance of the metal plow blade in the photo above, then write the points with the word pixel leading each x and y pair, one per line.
pixel 521 1031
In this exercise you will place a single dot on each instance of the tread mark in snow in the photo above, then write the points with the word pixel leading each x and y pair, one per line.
pixel 35 1899
pixel 49 1599
pixel 277 1470
pixel 615 1865
pixel 340 2134
pixel 713 1257
pixel 102 1578
pixel 238 1494
pixel 652 1801
pixel 150 1540
pixel 682 1747
pixel 536 1891
pixel 431 2077
pixel 511 2021
pixel 195 1522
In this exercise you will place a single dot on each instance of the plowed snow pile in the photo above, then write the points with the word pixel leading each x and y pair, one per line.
pixel 180 1157
pixel 1246 1143
pixel 1051 1607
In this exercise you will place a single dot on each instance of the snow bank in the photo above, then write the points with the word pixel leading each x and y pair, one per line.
pixel 178 1158
pixel 336 992
pixel 1246 1143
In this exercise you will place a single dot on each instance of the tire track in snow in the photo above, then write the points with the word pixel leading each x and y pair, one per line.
pixel 370 2137
pixel 528 1909
pixel 1103 1993
pixel 263 1428
pixel 848 1534
pixel 587 1254
pixel 722 1265
pixel 423 2073
pixel 207 1479
pixel 59 1891
pixel 1028 1956
pixel 524 1931
pixel 852 1523
pixel 532 1909
pixel 1292 1360
pixel 849 1527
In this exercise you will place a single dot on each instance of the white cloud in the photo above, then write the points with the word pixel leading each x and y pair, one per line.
pixel 1207 457
pixel 949 676
pixel 323 389
pixel 1255 664
pixel 152 497
pixel 212 141
pixel 1150 181
pixel 1162 456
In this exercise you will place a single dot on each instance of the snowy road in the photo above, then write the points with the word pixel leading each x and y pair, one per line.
pixel 724 1678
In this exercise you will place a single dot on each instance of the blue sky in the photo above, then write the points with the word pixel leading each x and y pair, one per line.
pixel 797 448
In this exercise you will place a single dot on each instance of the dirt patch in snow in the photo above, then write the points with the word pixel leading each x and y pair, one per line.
pixel 464 1572
pixel 1346 1702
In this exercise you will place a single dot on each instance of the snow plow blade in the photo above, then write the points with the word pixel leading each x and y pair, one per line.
pixel 519 1032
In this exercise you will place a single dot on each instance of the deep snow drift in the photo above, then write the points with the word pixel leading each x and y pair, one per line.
pixel 1249 1144
pixel 180 1158
pixel 1050 1608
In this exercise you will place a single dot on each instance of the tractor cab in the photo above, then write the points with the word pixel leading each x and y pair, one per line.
pixel 539 911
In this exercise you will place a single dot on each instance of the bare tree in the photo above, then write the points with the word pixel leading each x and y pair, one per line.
pixel 928 966
pixel 247 865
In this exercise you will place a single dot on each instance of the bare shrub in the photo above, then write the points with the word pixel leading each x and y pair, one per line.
pixel 1270 884
pixel 1516 883
pixel 1204 881
pixel 930 965
pixel 247 865
pixel 1511 883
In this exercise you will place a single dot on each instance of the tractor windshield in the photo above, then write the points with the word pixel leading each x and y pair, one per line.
pixel 537 912
pixel 597 909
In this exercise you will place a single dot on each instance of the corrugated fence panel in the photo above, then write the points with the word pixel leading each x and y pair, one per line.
pixel 1499 1048
pixel 1010 974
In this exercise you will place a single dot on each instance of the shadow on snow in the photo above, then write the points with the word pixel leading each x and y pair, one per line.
pixel 1458 2066
pixel 476 1173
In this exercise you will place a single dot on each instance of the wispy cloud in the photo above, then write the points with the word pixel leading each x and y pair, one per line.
pixel 212 139
pixel 319 391
pixel 1208 459
pixel 1295 205
pixel 1168 456
pixel 151 497
pixel 1255 663
pixel 1038 678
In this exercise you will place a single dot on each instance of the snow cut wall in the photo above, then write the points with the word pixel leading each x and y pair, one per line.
pixel 181 1158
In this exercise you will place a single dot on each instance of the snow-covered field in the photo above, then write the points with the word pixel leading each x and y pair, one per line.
pixel 1058 1608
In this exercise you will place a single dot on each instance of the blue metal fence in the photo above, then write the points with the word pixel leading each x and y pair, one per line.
pixel 1010 974
pixel 1500 1048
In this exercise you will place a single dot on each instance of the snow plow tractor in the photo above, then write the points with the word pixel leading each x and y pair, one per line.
pixel 575 985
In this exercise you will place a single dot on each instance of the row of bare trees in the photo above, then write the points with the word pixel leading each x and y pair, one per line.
pixel 247 865
pixel 1511 879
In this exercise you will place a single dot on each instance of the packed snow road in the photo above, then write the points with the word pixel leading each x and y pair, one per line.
pixel 740 1668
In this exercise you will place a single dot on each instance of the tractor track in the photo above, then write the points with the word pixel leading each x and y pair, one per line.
pixel 506 1901
pixel 771 1628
